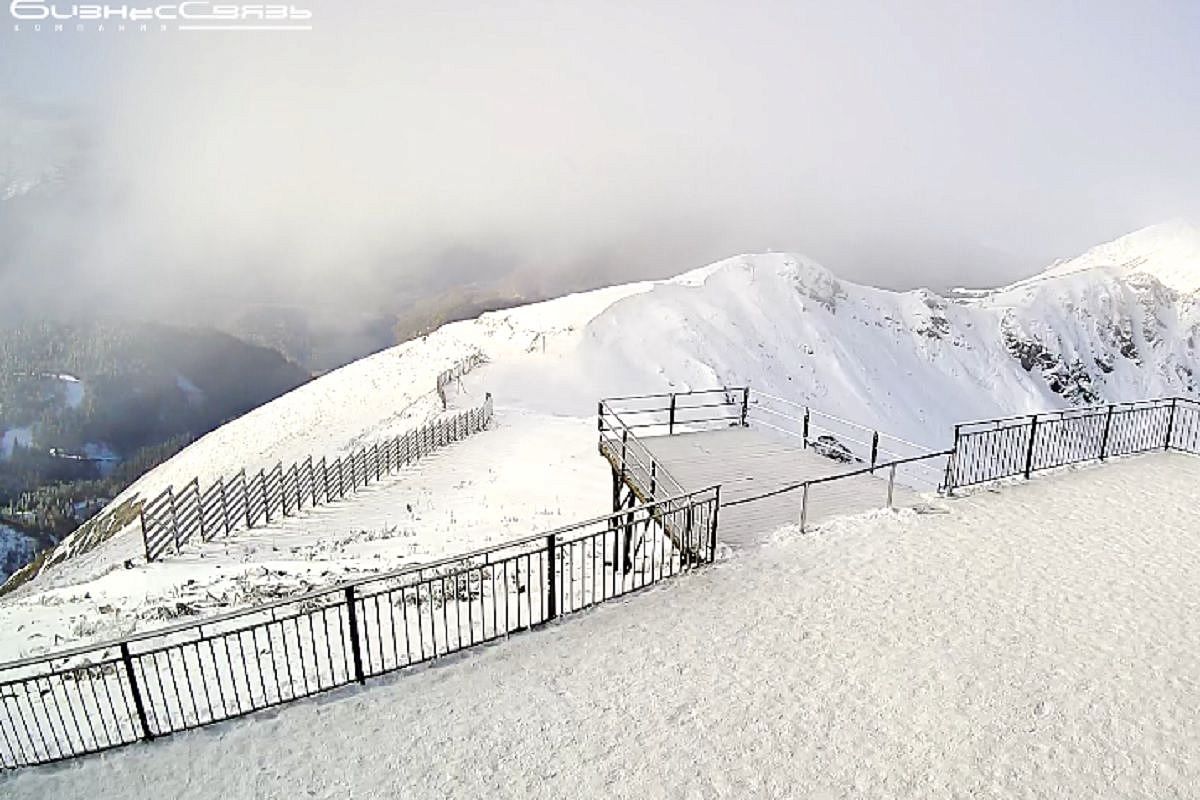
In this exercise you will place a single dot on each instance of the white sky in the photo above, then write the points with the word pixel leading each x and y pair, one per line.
pixel 899 144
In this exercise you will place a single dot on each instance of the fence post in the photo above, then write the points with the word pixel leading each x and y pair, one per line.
pixel 804 507
pixel 1170 424
pixel 224 505
pixel 745 405
pixel 1029 452
pixel 307 463
pixel 145 540
pixel 1104 436
pixel 891 484
pixel 874 450
pixel 671 423
pixel 138 704
pixel 653 481
pixel 199 507
pixel 266 497
pixel 952 463
pixel 246 498
pixel 552 577
pixel 804 439
pixel 174 518
pixel 355 651
pixel 283 494
pixel 712 535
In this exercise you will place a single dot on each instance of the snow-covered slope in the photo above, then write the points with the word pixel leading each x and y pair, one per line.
pixel 1169 252
pixel 909 363
pixel 1034 643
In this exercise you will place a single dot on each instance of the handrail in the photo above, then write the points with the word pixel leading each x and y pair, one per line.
pixel 827 415
pixel 341 586
pixel 1152 403
pixel 660 470
pixel 839 476
pixel 723 389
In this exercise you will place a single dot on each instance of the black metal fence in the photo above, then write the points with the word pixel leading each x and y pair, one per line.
pixel 625 421
pixel 853 490
pixel 203 513
pixel 95 698
pixel 701 410
pixel 990 450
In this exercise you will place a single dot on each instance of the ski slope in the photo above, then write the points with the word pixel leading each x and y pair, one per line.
pixel 1037 641
pixel 908 363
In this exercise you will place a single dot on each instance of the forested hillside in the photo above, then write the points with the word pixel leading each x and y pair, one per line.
pixel 86 407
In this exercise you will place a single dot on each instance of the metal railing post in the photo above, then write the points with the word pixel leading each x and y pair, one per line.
pixel 804 438
pixel 1104 436
pixel 624 445
pixel 804 508
pixel 355 648
pixel 874 450
pixel 745 405
pixel 712 534
pixel 952 463
pixel 1170 425
pixel 138 704
pixel 891 485
pixel 552 577
pixel 671 418
pixel 1029 452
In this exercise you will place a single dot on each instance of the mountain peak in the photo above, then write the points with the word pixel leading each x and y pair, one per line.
pixel 1169 251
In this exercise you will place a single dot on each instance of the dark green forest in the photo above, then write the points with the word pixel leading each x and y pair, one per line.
pixel 142 392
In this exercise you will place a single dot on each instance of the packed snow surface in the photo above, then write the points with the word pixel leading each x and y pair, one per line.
pixel 1040 640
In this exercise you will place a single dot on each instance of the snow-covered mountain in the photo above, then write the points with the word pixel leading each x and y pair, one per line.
pixel 1119 323
pixel 1169 252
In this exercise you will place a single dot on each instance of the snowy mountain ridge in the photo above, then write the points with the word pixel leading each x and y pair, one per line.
pixel 909 363
pixel 1169 252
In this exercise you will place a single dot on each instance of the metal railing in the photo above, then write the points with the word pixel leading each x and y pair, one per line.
pixel 94 698
pixel 625 421
pixel 631 459
pixel 990 450
pixel 847 441
pixel 202 513
pixel 846 492
pixel 834 437
pixel 669 413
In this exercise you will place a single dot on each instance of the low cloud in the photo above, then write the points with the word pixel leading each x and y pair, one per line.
pixel 402 145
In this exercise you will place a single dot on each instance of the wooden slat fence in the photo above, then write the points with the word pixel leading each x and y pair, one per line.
pixel 200 514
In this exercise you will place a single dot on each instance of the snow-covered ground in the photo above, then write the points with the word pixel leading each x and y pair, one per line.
pixel 459 499
pixel 1038 640
pixel 911 364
